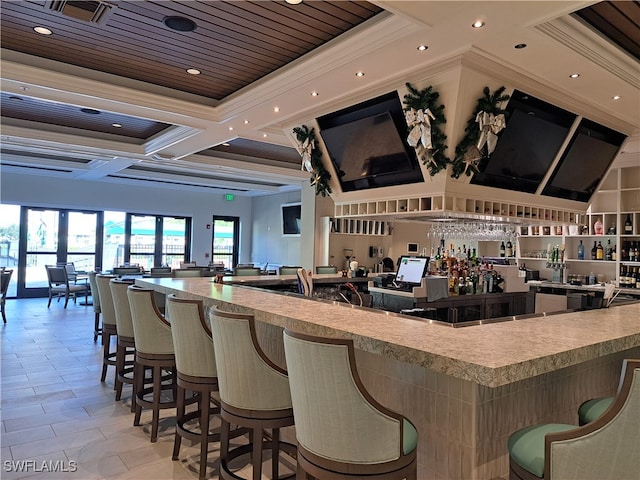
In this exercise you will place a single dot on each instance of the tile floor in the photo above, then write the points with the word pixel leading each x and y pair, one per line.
pixel 59 421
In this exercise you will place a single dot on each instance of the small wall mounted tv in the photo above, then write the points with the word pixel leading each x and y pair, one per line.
pixel 528 145
pixel 585 162
pixel 290 215
pixel 367 145
pixel 411 269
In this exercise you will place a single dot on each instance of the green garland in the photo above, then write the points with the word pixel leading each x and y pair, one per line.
pixel 320 176
pixel 468 156
pixel 435 159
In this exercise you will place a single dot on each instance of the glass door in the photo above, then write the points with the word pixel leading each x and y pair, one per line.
pixel 226 236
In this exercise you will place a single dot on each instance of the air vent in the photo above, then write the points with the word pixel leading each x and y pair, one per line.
pixel 87 11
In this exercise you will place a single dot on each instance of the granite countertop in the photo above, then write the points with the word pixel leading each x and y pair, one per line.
pixel 319 278
pixel 492 354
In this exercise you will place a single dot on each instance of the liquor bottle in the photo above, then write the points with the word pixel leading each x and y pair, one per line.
pixel 594 250
pixel 509 249
pixel 614 254
pixel 608 254
pixel 599 251
pixel 637 278
pixel 628 225
pixel 502 249
pixel 581 251
pixel 622 280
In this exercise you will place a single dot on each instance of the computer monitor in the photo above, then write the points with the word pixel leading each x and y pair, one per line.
pixel 411 269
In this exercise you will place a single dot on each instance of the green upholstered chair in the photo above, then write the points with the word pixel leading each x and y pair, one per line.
pixel 95 296
pixel 154 353
pixel 196 371
pixel 326 269
pixel 342 431
pixel 604 449
pixel 109 327
pixel 592 409
pixel 246 271
pixel 288 270
pixel 187 272
pixel 126 346
pixel 254 394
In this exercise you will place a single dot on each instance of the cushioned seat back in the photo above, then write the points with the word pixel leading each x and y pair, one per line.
pixel 246 377
pixel 335 417
pixel 247 271
pixel 151 330
pixel 191 338
pixel 95 293
pixel 187 272
pixel 326 269
pixel 121 306
pixel 288 270
pixel 106 300
pixel 612 451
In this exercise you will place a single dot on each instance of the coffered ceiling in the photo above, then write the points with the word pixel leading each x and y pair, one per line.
pixel 106 95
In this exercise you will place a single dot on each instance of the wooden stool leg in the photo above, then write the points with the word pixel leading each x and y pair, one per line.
pixel 275 452
pixel 225 429
pixel 105 354
pixel 257 453
pixel 205 411
pixel 180 409
pixel 157 385
pixel 140 374
pixel 120 360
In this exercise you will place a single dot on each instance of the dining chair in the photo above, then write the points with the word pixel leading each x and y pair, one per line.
pixel 5 279
pixel 246 271
pixel 326 269
pixel 288 270
pixel 60 286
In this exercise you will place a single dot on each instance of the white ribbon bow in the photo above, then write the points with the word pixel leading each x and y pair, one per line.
pixel 305 150
pixel 420 120
pixel 489 125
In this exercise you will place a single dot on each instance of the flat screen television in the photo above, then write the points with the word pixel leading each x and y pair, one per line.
pixel 411 269
pixel 291 213
pixel 528 145
pixel 367 145
pixel 584 162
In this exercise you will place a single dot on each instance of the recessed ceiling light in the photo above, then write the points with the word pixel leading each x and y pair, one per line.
pixel 314 94
pixel 276 109
pixel 264 135
pixel 574 75
pixel 422 48
pixel 117 125
pixel 42 30
pixel 193 71
pixel 478 24
pixel 359 74
pixel 225 144
pixel 293 2
pixel 521 46
pixel 230 128
pixel 246 122
pixel 90 111
pixel 179 24
pixel 616 97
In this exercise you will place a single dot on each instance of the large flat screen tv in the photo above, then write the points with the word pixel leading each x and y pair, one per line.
pixel 411 269
pixel 528 145
pixel 585 162
pixel 367 145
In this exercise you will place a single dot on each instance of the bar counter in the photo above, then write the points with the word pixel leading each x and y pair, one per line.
pixel 466 389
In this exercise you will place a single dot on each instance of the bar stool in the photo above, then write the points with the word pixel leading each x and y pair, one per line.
pixel 109 327
pixel 254 393
pixel 95 296
pixel 154 352
pixel 592 409
pixel 126 346
pixel 606 448
pixel 196 370
pixel 342 431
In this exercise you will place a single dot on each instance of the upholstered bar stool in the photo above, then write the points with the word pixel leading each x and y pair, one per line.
pixel 254 393
pixel 342 431
pixel 592 409
pixel 95 296
pixel 154 352
pixel 196 370
pixel 109 327
pixel 604 449
pixel 126 346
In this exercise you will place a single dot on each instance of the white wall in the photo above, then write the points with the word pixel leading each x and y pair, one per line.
pixel 37 191
pixel 267 243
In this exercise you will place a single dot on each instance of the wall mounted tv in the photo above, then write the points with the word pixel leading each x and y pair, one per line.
pixel 526 148
pixel 584 162
pixel 367 145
